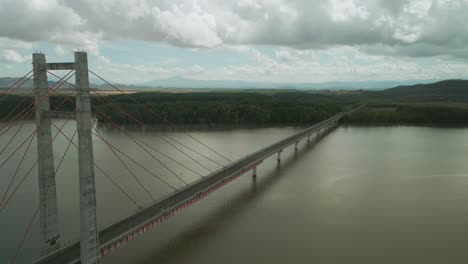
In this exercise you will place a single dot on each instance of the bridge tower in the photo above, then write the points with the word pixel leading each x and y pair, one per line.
pixel 88 219
pixel 89 241
pixel 49 222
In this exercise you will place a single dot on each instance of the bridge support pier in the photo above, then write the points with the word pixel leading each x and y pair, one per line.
pixel 278 158
pixel 254 172
pixel 89 244
pixel 295 146
pixel 308 138
pixel 49 223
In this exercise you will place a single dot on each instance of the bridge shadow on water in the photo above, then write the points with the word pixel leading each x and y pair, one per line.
pixel 216 220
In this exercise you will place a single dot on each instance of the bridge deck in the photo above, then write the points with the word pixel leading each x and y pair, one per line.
pixel 123 231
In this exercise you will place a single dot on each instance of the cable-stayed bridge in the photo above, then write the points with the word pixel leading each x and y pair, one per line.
pixel 95 244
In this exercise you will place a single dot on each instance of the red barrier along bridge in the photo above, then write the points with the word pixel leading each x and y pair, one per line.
pixel 127 229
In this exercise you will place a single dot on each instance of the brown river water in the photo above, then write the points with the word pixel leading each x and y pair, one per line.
pixel 363 195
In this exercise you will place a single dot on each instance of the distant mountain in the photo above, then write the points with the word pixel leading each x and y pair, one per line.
pixel 180 82
pixel 6 82
pixel 452 90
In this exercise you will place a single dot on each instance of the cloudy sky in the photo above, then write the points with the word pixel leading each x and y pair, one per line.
pixel 132 41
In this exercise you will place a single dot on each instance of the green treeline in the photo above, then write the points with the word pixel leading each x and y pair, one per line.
pixel 23 105
pixel 258 108
pixel 11 102
pixel 411 114
pixel 233 108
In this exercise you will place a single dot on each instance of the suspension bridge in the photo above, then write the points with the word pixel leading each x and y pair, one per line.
pixel 95 244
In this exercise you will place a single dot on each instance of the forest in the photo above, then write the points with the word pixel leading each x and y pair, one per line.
pixel 259 107
pixel 221 108
pixel 412 114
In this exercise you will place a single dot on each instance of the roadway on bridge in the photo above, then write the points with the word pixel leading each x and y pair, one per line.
pixel 122 232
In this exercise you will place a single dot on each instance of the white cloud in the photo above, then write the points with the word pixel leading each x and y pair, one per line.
pixel 360 38
pixel 102 59
pixel 6 43
pixel 187 25
pixel 293 65
pixel 12 56
pixel 60 50
pixel 289 55
pixel 38 20
pixel 211 23
pixel 343 10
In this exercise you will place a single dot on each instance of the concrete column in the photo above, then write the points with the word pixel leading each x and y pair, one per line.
pixel 295 146
pixel 254 172
pixel 89 234
pixel 49 223
pixel 279 156
pixel 308 138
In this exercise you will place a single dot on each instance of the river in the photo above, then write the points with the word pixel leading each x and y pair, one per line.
pixel 359 195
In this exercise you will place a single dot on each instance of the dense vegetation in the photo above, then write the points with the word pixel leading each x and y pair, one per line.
pixel 224 108
pixel 440 103
pixel 23 104
pixel 234 108
pixel 426 114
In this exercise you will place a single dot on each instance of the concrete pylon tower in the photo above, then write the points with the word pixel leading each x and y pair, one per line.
pixel 49 223
pixel 89 244
pixel 89 234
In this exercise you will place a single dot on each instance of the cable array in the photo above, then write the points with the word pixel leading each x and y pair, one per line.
pixel 115 150
pixel 31 107
pixel 103 99
pixel 111 148
pixel 122 111
pixel 12 87
pixel 30 137
pixel 19 117
pixel 157 115
pixel 100 169
pixel 19 113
